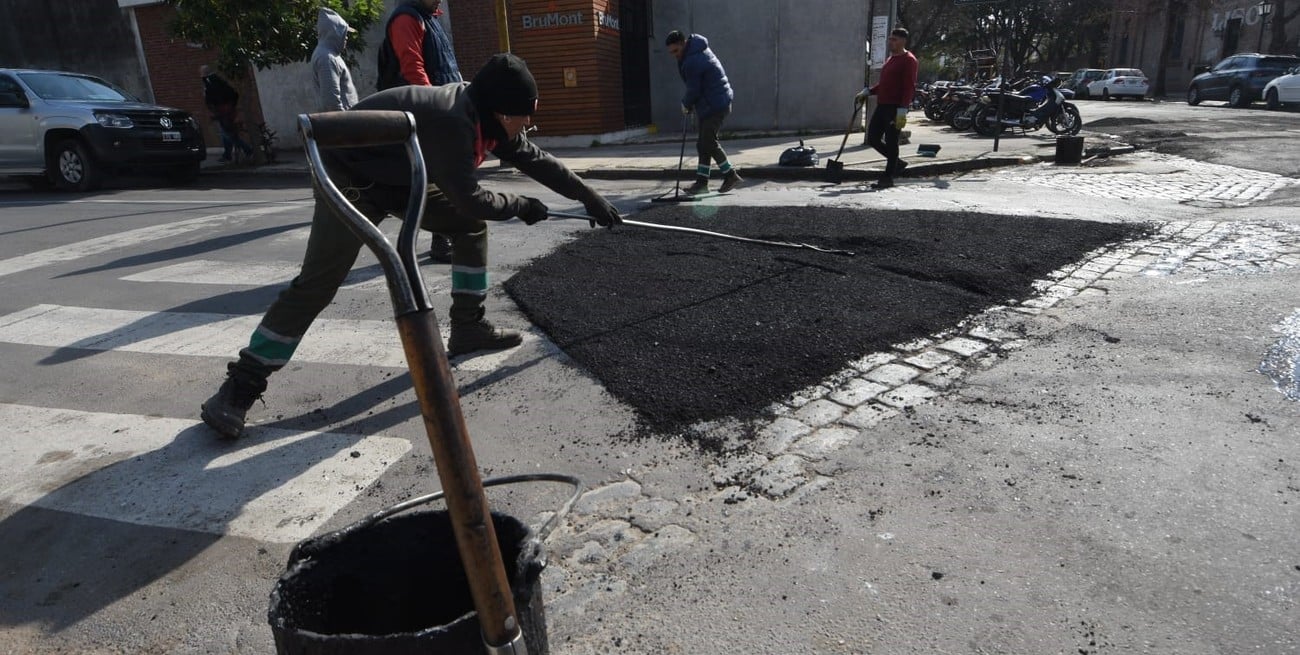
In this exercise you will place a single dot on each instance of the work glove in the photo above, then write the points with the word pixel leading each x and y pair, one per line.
pixel 601 212
pixel 862 95
pixel 901 120
pixel 686 111
pixel 534 211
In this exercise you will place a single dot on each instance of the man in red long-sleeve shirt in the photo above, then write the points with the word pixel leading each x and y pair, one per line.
pixel 894 94
pixel 417 52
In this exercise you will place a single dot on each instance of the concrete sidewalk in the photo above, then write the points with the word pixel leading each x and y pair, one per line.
pixel 755 155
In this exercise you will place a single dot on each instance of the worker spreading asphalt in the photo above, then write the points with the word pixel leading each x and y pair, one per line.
pixel 686 328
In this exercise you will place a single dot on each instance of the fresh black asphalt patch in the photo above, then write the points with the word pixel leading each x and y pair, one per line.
pixel 686 328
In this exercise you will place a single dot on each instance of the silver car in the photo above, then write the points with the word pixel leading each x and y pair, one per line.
pixel 75 130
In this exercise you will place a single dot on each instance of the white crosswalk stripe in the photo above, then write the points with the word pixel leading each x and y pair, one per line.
pixel 273 484
pixel 253 274
pixel 276 485
pixel 127 239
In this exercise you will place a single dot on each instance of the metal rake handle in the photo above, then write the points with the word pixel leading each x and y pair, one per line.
pixel 717 235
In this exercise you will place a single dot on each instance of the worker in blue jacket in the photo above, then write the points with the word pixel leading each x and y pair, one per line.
pixel 708 96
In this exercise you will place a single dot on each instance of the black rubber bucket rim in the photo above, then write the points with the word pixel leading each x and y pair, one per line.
pixel 531 555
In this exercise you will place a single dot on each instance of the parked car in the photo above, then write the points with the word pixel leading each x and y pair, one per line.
pixel 75 130
pixel 1239 79
pixel 1120 83
pixel 1079 80
pixel 1283 90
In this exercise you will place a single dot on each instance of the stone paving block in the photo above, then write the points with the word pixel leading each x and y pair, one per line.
pixel 857 391
pixel 736 469
pixel 596 498
pixel 963 346
pixel 892 374
pixel 1126 268
pixel 779 434
pixel 819 412
pixel 824 442
pixel 873 360
pixel 1043 302
pixel 650 514
pixel 908 395
pixel 914 345
pixel 1074 283
pixel 991 334
pixel 946 377
pixel 805 396
pixel 868 415
pixel 1032 311
pixel 589 553
pixel 669 540
pixel 612 533
pixel 780 476
pixel 928 359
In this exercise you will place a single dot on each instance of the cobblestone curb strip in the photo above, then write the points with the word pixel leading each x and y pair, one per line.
pixel 817 421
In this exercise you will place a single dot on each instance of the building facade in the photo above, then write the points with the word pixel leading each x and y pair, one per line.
pixel 1200 33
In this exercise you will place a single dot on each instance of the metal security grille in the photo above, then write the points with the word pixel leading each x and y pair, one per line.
pixel 634 19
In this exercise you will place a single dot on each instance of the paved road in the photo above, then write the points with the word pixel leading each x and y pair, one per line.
pixel 1103 467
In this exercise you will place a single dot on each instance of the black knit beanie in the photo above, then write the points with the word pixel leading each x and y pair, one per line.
pixel 505 86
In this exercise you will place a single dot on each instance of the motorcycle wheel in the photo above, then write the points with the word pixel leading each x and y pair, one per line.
pixel 933 111
pixel 1067 121
pixel 963 119
pixel 985 122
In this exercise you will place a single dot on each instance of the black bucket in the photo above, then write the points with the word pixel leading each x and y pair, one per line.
pixel 397 586
pixel 1069 149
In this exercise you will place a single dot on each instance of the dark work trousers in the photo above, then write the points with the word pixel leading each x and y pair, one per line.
pixel 882 135
pixel 332 249
pixel 707 145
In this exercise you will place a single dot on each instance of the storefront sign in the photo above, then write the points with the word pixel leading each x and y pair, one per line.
pixel 567 19
pixel 1250 15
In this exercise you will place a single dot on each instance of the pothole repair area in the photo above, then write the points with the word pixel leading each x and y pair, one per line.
pixel 687 328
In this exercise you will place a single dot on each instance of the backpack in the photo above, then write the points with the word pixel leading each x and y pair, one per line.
pixel 800 156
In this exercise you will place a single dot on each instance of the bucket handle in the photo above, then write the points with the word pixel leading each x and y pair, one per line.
pixel 541 533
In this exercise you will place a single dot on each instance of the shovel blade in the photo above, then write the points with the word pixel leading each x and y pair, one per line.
pixel 835 171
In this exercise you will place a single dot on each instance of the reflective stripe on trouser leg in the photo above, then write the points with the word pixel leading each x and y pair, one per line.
pixel 332 249
pixel 269 349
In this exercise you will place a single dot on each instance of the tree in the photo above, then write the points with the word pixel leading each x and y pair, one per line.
pixel 264 33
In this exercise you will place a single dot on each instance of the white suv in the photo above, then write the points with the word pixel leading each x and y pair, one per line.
pixel 76 129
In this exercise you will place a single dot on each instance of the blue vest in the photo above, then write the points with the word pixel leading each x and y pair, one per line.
pixel 439 58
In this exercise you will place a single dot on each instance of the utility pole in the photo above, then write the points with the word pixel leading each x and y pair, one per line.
pixel 503 26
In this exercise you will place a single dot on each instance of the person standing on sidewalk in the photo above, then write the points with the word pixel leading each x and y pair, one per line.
pixel 416 51
pixel 223 101
pixel 708 96
pixel 458 125
pixel 894 97
pixel 333 79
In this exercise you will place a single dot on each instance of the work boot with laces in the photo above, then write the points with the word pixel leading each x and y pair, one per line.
pixel 730 181
pixel 469 336
pixel 701 186
pixel 225 411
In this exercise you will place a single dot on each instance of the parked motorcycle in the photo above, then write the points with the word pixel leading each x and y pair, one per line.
pixel 1038 105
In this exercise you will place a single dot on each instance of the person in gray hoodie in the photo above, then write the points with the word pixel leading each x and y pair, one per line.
pixel 334 87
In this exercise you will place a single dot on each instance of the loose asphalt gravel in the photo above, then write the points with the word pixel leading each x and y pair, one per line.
pixel 689 328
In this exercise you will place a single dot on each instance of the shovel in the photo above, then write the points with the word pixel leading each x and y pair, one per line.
pixel 835 167
pixel 435 389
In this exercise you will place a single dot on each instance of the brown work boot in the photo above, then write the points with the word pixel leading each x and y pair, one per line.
pixel 730 181
pixel 467 337
pixel 701 186
pixel 226 410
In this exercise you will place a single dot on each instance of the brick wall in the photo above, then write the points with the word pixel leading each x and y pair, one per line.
pixel 474 34
pixel 594 103
pixel 174 72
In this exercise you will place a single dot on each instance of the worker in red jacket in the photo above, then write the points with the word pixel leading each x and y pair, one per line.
pixel 417 51
pixel 893 97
